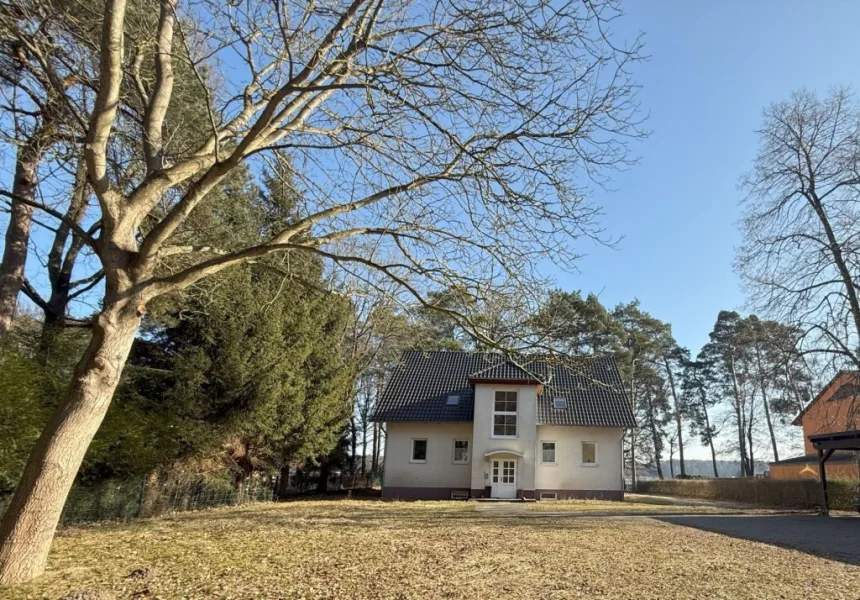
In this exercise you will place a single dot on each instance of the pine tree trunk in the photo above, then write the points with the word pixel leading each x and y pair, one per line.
pixel 739 415
pixel 710 434
pixel 655 438
pixel 633 434
pixel 31 519
pixel 677 417
pixel 18 232
pixel 763 387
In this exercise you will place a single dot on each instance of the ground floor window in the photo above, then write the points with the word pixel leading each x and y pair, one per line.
pixel 419 451
pixel 589 454
pixel 461 451
pixel 547 456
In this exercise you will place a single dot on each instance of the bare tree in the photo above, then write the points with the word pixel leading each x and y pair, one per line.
pixel 441 144
pixel 34 131
pixel 800 256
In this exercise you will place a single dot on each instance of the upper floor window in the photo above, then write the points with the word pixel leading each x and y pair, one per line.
pixel 559 402
pixel 505 414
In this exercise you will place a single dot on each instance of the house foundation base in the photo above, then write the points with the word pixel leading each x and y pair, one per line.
pixel 616 495
pixel 422 493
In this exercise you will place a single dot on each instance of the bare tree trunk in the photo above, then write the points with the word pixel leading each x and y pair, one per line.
pixel 793 388
pixel 374 464
pixel 30 520
pixel 841 264
pixel 18 233
pixel 353 441
pixel 672 459
pixel 677 416
pixel 363 447
pixel 61 263
pixel 750 457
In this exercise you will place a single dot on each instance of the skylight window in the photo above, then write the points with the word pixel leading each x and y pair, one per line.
pixel 453 400
pixel 559 402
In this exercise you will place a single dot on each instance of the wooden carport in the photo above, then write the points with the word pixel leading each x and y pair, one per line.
pixel 827 444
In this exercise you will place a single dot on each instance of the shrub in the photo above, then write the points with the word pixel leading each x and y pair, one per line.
pixel 787 493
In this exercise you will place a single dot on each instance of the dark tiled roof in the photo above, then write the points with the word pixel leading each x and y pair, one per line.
pixel 507 370
pixel 420 385
pixel 839 456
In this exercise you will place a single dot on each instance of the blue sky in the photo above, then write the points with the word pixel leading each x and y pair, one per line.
pixel 713 67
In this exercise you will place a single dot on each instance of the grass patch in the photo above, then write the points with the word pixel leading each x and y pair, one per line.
pixel 410 550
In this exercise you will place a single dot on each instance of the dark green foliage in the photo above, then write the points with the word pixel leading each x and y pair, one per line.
pixel 22 413
pixel 246 370
pixel 29 391
pixel 573 325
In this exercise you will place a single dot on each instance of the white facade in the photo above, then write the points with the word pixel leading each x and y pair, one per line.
pixel 439 469
pixel 569 472
pixel 492 448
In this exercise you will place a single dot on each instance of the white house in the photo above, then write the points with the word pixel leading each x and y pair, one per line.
pixel 497 426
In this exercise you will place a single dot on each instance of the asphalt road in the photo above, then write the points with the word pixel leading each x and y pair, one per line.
pixel 837 538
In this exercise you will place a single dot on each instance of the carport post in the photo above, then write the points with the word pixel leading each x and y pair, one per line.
pixel 822 475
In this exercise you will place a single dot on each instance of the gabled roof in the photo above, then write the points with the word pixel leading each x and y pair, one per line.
pixel 421 383
pixel 508 370
pixel 855 374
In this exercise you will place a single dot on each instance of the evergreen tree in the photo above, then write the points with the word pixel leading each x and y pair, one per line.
pixel 697 394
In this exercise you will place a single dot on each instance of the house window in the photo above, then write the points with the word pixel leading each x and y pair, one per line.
pixel 548 495
pixel 589 454
pixel 453 400
pixel 419 451
pixel 559 402
pixel 547 456
pixel 505 415
pixel 461 452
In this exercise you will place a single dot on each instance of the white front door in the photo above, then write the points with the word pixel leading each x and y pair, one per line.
pixel 504 478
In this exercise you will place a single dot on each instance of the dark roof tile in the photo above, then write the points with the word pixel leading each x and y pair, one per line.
pixel 421 383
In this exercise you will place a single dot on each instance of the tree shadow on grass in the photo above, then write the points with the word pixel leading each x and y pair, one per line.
pixel 835 538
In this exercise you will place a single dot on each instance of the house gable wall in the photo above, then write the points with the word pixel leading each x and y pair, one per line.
pixel 826 415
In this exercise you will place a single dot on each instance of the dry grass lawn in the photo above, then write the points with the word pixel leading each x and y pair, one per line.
pixel 443 550
pixel 639 506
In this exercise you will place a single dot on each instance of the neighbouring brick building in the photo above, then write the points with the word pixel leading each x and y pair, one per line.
pixel 836 408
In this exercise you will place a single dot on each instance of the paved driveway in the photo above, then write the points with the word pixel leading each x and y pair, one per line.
pixel 837 538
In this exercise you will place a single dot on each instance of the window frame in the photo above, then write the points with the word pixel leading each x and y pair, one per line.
pixel 582 454
pixel 516 415
pixel 556 400
pixel 554 453
pixel 412 458
pixel 454 452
